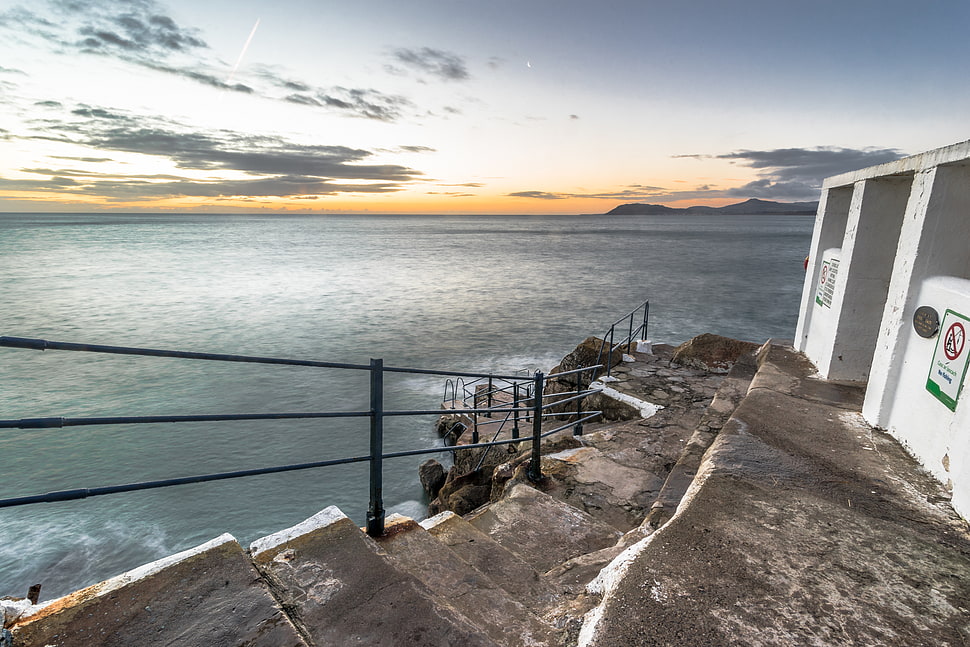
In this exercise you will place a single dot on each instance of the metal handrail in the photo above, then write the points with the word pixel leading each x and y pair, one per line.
pixel 632 334
pixel 376 414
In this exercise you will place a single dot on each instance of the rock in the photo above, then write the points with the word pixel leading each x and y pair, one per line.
pixel 432 475
pixel 587 354
pixel 711 352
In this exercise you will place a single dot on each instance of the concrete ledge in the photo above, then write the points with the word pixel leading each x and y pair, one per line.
pixel 804 526
pixel 341 589
pixel 208 595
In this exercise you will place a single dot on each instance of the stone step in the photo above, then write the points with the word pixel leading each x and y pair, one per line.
pixel 540 529
pixel 506 569
pixel 340 589
pixel 474 594
pixel 209 595
pixel 729 395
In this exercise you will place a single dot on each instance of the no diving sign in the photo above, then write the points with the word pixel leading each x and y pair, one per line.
pixel 949 365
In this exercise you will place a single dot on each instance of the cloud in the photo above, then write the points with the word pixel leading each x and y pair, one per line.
pixel 270 165
pixel 141 33
pixel 439 63
pixel 538 195
pixel 796 173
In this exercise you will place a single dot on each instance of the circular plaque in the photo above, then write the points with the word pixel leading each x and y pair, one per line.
pixel 926 321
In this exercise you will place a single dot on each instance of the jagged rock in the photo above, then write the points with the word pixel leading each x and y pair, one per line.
pixel 711 352
pixel 432 476
pixel 462 494
pixel 587 353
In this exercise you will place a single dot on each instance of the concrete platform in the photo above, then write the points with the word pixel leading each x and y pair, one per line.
pixel 803 527
pixel 210 596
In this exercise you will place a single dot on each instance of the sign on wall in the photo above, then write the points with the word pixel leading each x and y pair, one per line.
pixel 826 282
pixel 949 365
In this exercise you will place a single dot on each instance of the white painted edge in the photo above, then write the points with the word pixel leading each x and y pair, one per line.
pixel 12 610
pixel 566 454
pixel 612 574
pixel 322 519
pixel 436 520
pixel 142 572
pixel 645 408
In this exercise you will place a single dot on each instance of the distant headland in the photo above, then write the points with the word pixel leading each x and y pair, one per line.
pixel 748 207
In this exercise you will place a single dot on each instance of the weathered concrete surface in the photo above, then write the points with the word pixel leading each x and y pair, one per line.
pixel 619 471
pixel 506 568
pixel 729 395
pixel 803 527
pixel 542 530
pixel 341 591
pixel 472 592
pixel 209 596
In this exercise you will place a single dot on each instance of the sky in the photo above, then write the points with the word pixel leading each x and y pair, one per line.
pixel 461 107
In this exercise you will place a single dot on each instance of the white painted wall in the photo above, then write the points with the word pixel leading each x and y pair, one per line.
pixel 902 232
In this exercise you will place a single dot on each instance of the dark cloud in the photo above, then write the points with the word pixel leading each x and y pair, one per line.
pixel 82 159
pixel 574 116
pixel 354 102
pixel 274 166
pixel 796 173
pixel 538 195
pixel 441 64
pixel 132 28
pixel 11 70
pixel 141 33
pixel 418 149
pixel 49 104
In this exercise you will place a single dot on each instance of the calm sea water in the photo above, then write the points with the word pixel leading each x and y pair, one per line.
pixel 496 293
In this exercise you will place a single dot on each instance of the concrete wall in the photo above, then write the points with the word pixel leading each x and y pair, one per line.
pixel 900 233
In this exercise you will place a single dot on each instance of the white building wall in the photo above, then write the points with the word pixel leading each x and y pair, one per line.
pixel 902 234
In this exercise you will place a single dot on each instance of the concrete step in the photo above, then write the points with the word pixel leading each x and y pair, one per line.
pixel 729 395
pixel 209 595
pixel 506 569
pixel 474 594
pixel 541 530
pixel 341 589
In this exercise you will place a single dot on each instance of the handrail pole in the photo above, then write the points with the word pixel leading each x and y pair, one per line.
pixel 515 407
pixel 629 337
pixel 609 356
pixel 578 429
pixel 488 401
pixel 646 319
pixel 375 512
pixel 534 472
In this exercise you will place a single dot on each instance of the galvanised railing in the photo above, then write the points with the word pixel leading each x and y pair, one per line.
pixel 641 317
pixel 534 409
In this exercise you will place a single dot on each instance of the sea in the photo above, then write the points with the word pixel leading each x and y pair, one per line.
pixel 505 294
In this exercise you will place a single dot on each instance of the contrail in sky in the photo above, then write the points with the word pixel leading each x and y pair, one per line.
pixel 242 53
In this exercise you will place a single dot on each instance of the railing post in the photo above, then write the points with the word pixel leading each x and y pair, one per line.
pixel 488 401
pixel 515 410
pixel 609 354
pixel 375 512
pixel 629 336
pixel 535 472
pixel 578 429
pixel 646 319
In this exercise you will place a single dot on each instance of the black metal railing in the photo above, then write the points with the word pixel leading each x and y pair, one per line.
pixel 641 317
pixel 533 407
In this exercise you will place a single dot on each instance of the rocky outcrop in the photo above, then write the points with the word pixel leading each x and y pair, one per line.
pixel 712 353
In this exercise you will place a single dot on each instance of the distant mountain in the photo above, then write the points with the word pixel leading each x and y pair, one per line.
pixel 748 208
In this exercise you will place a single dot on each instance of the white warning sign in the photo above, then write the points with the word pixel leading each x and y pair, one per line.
pixel 826 282
pixel 949 366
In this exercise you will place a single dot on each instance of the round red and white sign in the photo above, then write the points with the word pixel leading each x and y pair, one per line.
pixel 954 341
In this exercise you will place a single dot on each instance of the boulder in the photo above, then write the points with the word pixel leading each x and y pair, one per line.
pixel 432 476
pixel 711 353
